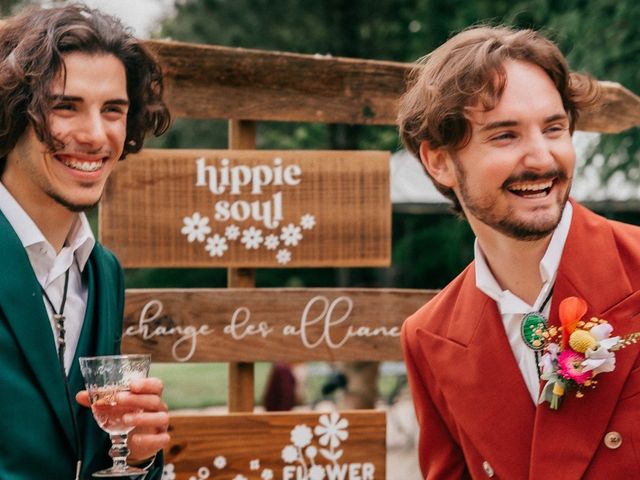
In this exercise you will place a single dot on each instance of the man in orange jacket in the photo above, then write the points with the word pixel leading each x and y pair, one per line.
pixel 490 114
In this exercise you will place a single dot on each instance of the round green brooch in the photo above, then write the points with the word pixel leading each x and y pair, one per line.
pixel 532 329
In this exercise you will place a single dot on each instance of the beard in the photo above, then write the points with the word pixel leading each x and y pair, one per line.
pixel 535 227
pixel 71 206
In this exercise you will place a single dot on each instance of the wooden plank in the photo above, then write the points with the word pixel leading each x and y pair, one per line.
pixel 220 82
pixel 262 209
pixel 275 445
pixel 249 325
pixel 240 396
pixel 242 135
pixel 618 110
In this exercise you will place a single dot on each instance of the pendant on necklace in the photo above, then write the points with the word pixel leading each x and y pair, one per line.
pixel 532 329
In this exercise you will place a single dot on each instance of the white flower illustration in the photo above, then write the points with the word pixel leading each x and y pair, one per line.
pixel 308 221
pixel 316 473
pixel 283 256
pixel 254 464
pixel 332 429
pixel 291 235
pixel 196 227
pixel 252 237
pixel 216 245
pixel 220 462
pixel 232 232
pixel 168 472
pixel 203 472
pixel 301 436
pixel 311 452
pixel 239 477
pixel 267 474
pixel 289 454
pixel 271 242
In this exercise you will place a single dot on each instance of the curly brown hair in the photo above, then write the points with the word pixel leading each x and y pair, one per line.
pixel 468 72
pixel 32 49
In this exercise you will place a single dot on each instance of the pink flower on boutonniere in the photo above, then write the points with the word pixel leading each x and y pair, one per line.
pixel 570 367
pixel 577 351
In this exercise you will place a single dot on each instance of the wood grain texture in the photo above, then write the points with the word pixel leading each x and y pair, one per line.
pixel 200 442
pixel 346 194
pixel 234 83
pixel 240 397
pixel 618 110
pixel 249 325
pixel 221 82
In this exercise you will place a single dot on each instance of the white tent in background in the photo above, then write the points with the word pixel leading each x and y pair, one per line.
pixel 411 189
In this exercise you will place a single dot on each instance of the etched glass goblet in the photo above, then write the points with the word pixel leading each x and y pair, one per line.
pixel 105 378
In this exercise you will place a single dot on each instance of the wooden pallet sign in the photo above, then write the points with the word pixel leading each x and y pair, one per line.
pixel 234 208
pixel 246 325
pixel 348 445
pixel 249 84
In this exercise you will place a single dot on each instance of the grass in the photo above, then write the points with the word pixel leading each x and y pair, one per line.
pixel 201 385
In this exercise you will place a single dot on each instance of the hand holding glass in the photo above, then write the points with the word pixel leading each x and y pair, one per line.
pixel 105 377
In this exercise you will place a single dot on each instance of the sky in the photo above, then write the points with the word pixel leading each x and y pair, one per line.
pixel 141 15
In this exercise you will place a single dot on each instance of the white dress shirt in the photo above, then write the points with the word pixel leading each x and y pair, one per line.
pixel 512 308
pixel 50 267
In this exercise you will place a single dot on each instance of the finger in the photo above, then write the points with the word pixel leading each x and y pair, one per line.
pixel 82 397
pixel 156 422
pixel 153 386
pixel 147 403
pixel 144 445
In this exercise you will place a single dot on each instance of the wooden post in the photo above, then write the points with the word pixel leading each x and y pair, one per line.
pixel 242 136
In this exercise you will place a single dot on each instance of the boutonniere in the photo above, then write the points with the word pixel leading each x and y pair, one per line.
pixel 577 351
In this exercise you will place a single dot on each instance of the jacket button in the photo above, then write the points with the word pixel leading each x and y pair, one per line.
pixel 488 469
pixel 613 440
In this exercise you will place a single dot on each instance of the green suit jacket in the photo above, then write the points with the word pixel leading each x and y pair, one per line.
pixel 37 440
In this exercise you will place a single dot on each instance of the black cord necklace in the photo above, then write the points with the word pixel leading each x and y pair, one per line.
pixel 533 327
pixel 59 318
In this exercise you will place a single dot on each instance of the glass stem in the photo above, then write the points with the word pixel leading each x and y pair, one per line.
pixel 119 451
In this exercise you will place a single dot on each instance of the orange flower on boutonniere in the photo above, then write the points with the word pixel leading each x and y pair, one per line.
pixel 577 351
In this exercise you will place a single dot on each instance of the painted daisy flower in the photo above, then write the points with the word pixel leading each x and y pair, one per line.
pixel 196 227
pixel 332 429
pixel 291 235
pixel 289 454
pixel 301 436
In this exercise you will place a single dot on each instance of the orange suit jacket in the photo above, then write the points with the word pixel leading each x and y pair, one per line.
pixel 475 413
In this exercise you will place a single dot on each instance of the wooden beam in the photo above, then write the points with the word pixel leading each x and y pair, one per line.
pixel 617 110
pixel 221 82
pixel 241 393
pixel 249 208
pixel 235 83
pixel 235 445
pixel 268 324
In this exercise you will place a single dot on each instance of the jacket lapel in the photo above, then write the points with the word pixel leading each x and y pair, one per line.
pixel 480 380
pixel 582 274
pixel 26 316
pixel 98 335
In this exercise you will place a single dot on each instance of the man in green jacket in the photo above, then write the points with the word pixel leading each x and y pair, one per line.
pixel 77 94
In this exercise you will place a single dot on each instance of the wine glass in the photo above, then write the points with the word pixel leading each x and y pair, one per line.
pixel 105 377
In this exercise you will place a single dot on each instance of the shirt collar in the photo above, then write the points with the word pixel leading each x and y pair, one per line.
pixel 507 301
pixel 80 239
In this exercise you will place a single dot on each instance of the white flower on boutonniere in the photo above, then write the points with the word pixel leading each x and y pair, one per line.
pixel 577 351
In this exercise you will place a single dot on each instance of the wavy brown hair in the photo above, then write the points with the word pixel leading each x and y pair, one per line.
pixel 32 49
pixel 468 72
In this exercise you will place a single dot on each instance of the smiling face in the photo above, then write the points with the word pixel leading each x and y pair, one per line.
pixel 514 175
pixel 89 117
